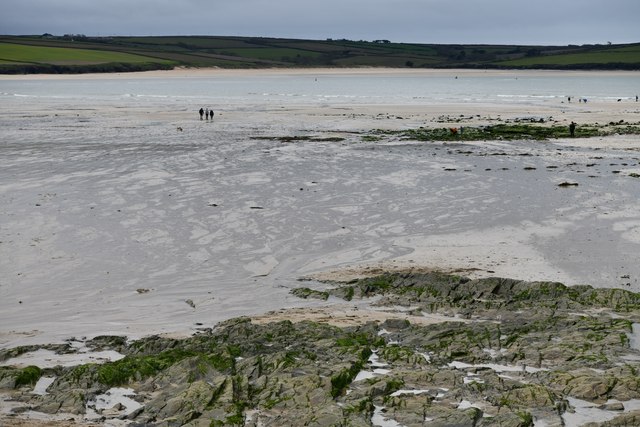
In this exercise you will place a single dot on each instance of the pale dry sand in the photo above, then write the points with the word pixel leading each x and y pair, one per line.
pixel 182 72
pixel 343 315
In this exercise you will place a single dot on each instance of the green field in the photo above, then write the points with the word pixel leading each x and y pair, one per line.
pixel 10 52
pixel 272 54
pixel 630 54
pixel 78 54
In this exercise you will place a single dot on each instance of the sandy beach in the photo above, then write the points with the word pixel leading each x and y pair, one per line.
pixel 166 224
pixel 133 217
pixel 183 72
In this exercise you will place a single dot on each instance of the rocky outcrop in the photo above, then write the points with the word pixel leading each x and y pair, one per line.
pixel 510 353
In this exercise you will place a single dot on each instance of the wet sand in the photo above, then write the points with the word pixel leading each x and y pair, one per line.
pixel 143 228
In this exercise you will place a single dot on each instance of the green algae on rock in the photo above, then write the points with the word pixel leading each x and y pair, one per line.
pixel 503 353
pixel 509 132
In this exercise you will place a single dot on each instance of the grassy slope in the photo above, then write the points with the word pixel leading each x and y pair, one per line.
pixel 256 52
pixel 627 54
pixel 11 52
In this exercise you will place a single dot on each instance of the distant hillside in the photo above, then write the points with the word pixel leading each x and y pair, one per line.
pixel 81 54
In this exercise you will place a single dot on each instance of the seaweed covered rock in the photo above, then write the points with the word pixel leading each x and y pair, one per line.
pixel 492 352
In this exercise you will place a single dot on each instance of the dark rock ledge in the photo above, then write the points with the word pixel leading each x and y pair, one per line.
pixel 511 353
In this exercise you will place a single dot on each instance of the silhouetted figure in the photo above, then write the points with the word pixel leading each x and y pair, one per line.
pixel 211 114
pixel 572 129
pixel 201 113
pixel 206 114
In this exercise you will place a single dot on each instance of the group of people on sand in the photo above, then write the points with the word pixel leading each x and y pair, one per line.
pixel 206 113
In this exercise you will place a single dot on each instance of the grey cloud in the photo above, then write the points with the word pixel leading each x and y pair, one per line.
pixel 423 21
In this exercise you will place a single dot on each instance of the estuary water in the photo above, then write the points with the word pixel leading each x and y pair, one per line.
pixel 318 87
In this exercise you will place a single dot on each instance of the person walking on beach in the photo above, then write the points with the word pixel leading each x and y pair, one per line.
pixel 201 113
pixel 211 114
pixel 206 114
pixel 572 129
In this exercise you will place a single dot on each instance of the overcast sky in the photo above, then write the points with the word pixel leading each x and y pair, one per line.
pixel 549 22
